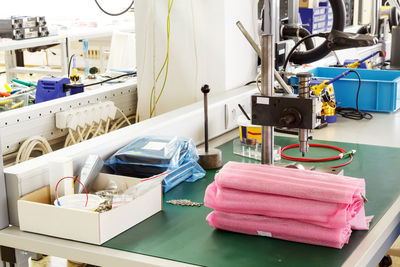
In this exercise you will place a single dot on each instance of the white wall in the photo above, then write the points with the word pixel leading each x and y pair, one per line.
pixel 206 47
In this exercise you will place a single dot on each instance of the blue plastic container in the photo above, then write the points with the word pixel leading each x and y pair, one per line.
pixel 314 19
pixel 380 89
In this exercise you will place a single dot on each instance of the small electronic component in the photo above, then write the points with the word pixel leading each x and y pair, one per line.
pixel 19 28
pixel 74 76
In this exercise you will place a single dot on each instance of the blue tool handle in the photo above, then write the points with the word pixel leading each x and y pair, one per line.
pixel 344 74
pixel 370 56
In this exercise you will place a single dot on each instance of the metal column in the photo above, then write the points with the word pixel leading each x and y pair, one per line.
pixel 293 13
pixel 271 18
pixel 267 80
pixel 271 29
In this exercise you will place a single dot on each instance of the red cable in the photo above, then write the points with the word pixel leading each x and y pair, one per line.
pixel 68 177
pixel 154 177
pixel 284 156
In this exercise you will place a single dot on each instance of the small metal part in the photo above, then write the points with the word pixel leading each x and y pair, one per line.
pixel 364 198
pixel 205 90
pixel 184 202
pixel 104 206
pixel 295 165
pixel 336 171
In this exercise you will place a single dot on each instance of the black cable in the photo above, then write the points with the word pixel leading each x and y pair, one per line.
pixel 297 45
pixel 244 112
pixel 67 86
pixel 69 64
pixel 354 113
pixel 250 83
pixel 115 14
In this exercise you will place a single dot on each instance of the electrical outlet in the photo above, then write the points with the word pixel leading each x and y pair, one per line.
pixel 232 111
pixel 86 115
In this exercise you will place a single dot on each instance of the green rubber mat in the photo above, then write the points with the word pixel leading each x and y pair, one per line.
pixel 182 233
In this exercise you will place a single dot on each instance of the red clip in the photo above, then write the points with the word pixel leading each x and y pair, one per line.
pixel 3 94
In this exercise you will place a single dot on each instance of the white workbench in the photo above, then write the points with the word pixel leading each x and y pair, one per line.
pixel 379 131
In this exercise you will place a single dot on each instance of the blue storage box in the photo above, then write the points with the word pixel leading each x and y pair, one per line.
pixel 323 3
pixel 380 89
pixel 329 19
pixel 314 19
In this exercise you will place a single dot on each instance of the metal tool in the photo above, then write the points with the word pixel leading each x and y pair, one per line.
pixel 208 158
pixel 302 112
pixel 304 93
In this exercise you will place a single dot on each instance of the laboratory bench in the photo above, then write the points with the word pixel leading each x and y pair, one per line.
pixel 180 236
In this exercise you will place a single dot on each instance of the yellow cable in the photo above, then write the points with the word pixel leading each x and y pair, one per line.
pixel 17 105
pixel 5 102
pixel 165 65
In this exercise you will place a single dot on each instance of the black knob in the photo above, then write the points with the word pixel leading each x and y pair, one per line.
pixel 205 89
pixel 287 120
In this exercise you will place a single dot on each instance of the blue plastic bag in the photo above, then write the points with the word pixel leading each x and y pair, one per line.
pixel 149 156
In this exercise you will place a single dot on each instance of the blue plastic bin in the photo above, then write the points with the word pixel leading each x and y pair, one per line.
pixel 314 19
pixel 380 89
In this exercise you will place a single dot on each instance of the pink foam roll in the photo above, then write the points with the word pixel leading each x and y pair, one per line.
pixel 283 181
pixel 326 214
pixel 280 228
pixel 324 178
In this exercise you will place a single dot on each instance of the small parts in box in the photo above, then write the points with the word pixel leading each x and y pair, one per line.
pixel 103 198
pixel 249 144
pixel 13 102
pixel 79 201
pixel 253 152
pixel 37 214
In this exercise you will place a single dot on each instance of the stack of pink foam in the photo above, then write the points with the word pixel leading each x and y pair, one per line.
pixel 291 204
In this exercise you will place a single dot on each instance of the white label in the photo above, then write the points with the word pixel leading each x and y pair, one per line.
pixel 155 146
pixel 261 233
pixel 263 100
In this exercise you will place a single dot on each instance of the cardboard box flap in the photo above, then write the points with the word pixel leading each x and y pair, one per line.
pixel 41 195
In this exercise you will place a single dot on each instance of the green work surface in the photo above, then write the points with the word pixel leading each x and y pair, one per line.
pixel 182 233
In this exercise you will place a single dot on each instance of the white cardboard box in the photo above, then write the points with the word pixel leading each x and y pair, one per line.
pixel 37 215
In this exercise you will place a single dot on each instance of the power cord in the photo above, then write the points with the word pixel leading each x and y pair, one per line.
pixel 354 113
pixel 67 86
pixel 322 35
pixel 34 143
pixel 115 14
